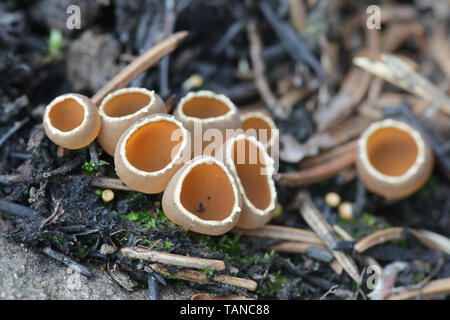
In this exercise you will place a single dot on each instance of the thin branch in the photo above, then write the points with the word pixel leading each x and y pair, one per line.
pixel 13 130
pixel 258 66
pixel 295 247
pixel 435 287
pixel 199 277
pixel 140 64
pixel 173 259
pixel 283 233
pixel 109 183
pixel 16 209
pixel 316 173
pixel 68 262
pixel 318 223
pixel 377 238
pixel 400 74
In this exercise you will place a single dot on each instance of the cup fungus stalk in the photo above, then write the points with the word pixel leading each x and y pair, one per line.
pixel 393 159
pixel 150 151
pixel 71 121
pixel 252 169
pixel 203 197
pixel 121 108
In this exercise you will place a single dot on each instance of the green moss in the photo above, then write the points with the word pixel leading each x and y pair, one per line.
pixel 271 285
pixel 168 245
pixel 57 239
pixel 269 255
pixel 83 252
pixel 56 43
pixel 148 220
pixel 418 278
pixel 89 167
pixel 230 246
pixel 369 219
pixel 136 195
pixel 207 271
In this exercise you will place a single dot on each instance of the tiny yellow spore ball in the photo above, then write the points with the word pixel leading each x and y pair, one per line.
pixel 346 210
pixel 107 195
pixel 332 199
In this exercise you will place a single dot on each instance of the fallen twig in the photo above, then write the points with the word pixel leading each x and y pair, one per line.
pixel 65 168
pixel 140 64
pixel 399 73
pixel 378 237
pixel 13 130
pixel 433 240
pixel 110 183
pixel 199 277
pixel 440 149
pixel 316 173
pixel 173 259
pixel 294 247
pixel 435 287
pixel 316 221
pixel 12 178
pixel 440 48
pixel 16 209
pixel 283 233
pixel 328 155
pixel 67 261
pixel 202 296
pixel 352 91
pixel 258 66
pixel 291 41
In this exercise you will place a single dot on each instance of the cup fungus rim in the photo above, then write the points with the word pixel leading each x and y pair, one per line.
pixel 403 126
pixel 142 122
pixel 202 159
pixel 232 109
pixel 269 166
pixel 119 92
pixel 58 100
pixel 251 114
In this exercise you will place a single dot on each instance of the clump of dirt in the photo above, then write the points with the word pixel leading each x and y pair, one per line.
pixel 92 61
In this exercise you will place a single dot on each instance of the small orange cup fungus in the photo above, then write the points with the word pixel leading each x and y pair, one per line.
pixel 252 169
pixel 150 151
pixel 203 110
pixel 122 108
pixel 203 197
pixel 71 121
pixel 393 159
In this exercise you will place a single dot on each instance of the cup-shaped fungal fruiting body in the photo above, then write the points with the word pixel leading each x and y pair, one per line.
pixel 207 116
pixel 150 151
pixel 72 121
pixel 260 124
pixel 393 159
pixel 203 197
pixel 253 170
pixel 121 108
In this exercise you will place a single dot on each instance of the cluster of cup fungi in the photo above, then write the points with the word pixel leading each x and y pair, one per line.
pixel 213 193
pixel 202 193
